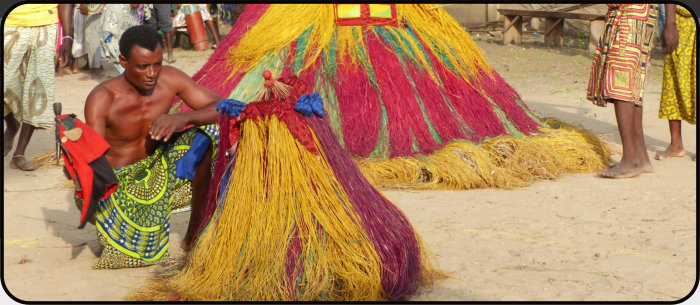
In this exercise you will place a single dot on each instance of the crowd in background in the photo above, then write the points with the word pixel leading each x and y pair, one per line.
pixel 98 27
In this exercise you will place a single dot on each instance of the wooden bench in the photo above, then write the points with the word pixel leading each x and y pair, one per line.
pixel 554 26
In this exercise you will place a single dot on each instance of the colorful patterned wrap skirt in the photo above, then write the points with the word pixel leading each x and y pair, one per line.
pixel 620 61
pixel 133 223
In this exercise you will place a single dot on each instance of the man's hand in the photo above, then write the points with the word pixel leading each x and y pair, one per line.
pixel 65 57
pixel 83 8
pixel 165 125
pixel 669 38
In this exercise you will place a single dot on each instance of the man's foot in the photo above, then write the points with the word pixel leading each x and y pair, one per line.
pixel 669 153
pixel 96 73
pixel 19 162
pixel 622 170
pixel 9 136
pixel 171 58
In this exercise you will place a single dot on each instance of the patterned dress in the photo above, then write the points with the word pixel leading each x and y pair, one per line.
pixel 679 82
pixel 116 18
pixel 133 223
pixel 620 61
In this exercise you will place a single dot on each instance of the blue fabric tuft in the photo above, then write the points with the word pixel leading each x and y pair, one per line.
pixel 185 167
pixel 310 104
pixel 232 107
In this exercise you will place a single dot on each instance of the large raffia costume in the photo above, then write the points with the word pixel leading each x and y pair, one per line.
pixel 408 94
pixel 291 216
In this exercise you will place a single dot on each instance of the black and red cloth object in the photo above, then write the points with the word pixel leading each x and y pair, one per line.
pixel 84 158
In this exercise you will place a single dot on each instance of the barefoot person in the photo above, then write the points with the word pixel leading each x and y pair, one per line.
pixel 678 90
pixel 618 75
pixel 130 111
pixel 161 19
pixel 29 77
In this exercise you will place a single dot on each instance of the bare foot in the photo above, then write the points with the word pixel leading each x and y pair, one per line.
pixel 19 162
pixel 623 170
pixel 96 73
pixel 669 153
pixel 9 136
pixel 171 58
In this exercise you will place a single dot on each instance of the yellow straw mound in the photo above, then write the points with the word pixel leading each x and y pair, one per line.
pixel 502 162
pixel 278 192
pixel 47 159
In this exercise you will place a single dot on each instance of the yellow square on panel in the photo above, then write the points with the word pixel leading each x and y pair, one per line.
pixel 622 79
pixel 349 11
pixel 380 10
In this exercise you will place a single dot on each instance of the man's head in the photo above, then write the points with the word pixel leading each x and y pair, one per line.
pixel 140 35
pixel 141 56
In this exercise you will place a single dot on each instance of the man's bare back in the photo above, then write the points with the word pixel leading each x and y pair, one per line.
pixel 130 110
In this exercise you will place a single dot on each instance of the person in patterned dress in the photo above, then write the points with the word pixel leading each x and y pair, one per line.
pixel 618 75
pixel 679 81
pixel 148 147
pixel 116 18
pixel 29 33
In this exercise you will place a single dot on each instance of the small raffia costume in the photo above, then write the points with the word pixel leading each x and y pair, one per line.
pixel 620 61
pixel 133 223
pixel 679 83
pixel 293 218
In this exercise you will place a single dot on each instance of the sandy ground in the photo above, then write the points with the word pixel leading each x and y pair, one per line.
pixel 576 238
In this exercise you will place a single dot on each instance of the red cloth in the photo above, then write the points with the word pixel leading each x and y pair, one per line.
pixel 77 157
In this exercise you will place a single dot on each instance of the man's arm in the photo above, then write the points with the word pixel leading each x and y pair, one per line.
pixel 65 14
pixel 96 109
pixel 202 99
pixel 669 36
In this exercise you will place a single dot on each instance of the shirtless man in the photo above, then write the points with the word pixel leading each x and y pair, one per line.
pixel 130 111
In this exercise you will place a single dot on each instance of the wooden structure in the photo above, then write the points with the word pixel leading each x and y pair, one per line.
pixel 554 25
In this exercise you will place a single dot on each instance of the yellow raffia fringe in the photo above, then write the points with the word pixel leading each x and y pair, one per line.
pixel 277 189
pixel 502 162
pixel 442 34
pixel 276 30
pixel 278 27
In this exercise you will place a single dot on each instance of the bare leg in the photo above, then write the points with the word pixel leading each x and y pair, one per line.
pixel 675 149
pixel 10 132
pixel 169 45
pixel 74 66
pixel 214 31
pixel 18 159
pixel 643 155
pixel 200 188
pixel 635 159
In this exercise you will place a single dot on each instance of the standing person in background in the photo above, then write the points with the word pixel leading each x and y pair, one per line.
pixel 78 38
pixel 116 18
pixel 160 19
pixel 180 22
pixel 91 36
pixel 229 13
pixel 679 81
pixel 618 75
pixel 29 76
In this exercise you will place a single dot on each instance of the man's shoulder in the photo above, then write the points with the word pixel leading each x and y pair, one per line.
pixel 104 90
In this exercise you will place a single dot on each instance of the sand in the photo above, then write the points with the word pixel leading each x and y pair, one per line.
pixel 574 238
